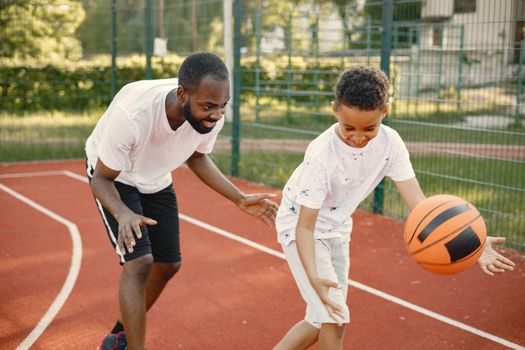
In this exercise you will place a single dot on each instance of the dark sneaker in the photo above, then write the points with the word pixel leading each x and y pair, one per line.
pixel 114 342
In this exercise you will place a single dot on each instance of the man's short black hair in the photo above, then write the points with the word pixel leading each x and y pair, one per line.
pixel 199 65
pixel 363 87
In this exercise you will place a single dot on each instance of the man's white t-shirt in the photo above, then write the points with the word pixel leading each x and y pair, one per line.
pixel 335 178
pixel 134 137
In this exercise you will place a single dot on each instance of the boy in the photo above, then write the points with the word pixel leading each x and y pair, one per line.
pixel 341 168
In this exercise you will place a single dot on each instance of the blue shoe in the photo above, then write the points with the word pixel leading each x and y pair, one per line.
pixel 114 342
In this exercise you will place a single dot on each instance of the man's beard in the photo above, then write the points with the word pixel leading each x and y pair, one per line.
pixel 186 111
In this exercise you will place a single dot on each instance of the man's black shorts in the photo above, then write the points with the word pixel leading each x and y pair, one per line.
pixel 162 239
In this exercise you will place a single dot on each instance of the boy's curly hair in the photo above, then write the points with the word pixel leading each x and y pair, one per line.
pixel 363 87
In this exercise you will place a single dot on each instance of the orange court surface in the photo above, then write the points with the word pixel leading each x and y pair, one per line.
pixel 59 277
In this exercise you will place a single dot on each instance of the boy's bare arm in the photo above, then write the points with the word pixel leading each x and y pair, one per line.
pixel 411 192
pixel 304 236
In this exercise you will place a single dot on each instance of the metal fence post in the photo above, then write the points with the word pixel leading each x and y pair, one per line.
pixel 386 50
pixel 368 40
pixel 149 37
pixel 289 69
pixel 113 48
pixel 236 125
pixel 440 66
pixel 257 63
pixel 418 66
pixel 517 114
pixel 460 68
pixel 317 76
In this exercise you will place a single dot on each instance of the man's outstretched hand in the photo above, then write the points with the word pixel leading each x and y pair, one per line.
pixel 260 206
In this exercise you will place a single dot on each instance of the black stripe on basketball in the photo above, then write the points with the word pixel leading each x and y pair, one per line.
pixel 441 218
pixel 424 217
pixel 445 237
pixel 424 262
pixel 463 244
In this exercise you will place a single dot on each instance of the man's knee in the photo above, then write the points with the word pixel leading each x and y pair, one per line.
pixel 168 270
pixel 138 268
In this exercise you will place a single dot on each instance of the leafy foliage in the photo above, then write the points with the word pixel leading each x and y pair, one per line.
pixel 182 35
pixel 28 86
pixel 40 29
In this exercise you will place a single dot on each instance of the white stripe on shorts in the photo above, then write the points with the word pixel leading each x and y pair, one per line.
pixel 110 231
pixel 89 169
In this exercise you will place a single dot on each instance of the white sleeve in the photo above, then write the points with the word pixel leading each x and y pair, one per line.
pixel 206 146
pixel 313 184
pixel 400 168
pixel 119 137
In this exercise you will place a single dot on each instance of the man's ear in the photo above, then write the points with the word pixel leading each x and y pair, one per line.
pixel 181 93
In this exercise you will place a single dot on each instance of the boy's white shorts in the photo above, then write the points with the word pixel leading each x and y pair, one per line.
pixel 333 263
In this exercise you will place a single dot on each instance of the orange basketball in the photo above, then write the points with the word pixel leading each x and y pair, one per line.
pixel 445 234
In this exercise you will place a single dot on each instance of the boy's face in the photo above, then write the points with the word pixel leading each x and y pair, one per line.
pixel 357 127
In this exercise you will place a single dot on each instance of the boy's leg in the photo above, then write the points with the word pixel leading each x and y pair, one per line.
pixel 316 313
pixel 331 336
pixel 301 336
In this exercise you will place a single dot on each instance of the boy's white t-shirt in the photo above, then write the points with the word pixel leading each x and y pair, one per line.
pixel 335 178
pixel 134 137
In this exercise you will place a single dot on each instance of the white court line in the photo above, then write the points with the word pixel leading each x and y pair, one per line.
pixel 352 283
pixel 36 173
pixel 72 275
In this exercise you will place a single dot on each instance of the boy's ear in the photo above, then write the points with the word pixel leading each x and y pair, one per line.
pixel 386 110
pixel 334 110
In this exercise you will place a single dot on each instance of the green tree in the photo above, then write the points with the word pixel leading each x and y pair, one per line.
pixel 405 14
pixel 40 29
pixel 96 30
pixel 356 14
pixel 188 25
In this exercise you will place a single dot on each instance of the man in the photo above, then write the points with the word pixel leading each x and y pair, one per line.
pixel 151 128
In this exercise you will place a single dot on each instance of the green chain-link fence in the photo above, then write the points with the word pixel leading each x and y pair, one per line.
pixel 456 68
pixel 457 73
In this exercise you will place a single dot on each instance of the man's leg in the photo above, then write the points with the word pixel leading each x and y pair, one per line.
pixel 132 297
pixel 159 276
pixel 164 238
pixel 135 274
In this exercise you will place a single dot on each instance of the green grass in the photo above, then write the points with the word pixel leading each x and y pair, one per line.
pixel 45 135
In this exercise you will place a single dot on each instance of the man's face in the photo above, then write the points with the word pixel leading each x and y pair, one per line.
pixel 357 127
pixel 204 107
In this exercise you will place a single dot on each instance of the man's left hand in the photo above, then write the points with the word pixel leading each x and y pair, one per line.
pixel 260 206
